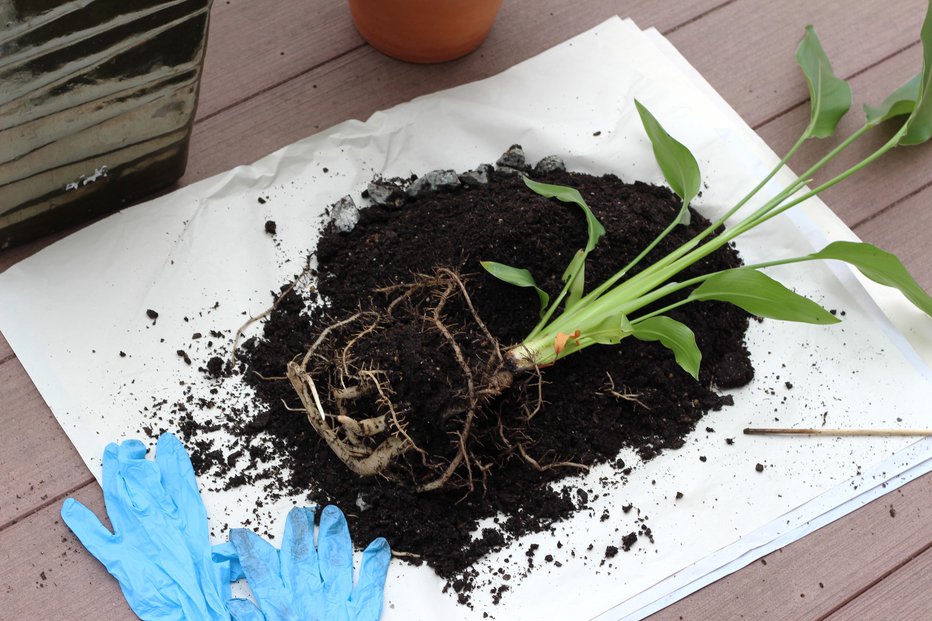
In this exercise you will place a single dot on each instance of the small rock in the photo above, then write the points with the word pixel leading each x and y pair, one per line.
pixel 434 181
pixel 513 158
pixel 271 227
pixel 479 176
pixel 549 164
pixel 385 193
pixel 344 214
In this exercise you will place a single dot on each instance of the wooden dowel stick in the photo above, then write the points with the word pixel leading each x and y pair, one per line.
pixel 761 431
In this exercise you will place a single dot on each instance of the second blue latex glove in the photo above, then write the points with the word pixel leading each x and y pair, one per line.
pixel 159 550
pixel 302 582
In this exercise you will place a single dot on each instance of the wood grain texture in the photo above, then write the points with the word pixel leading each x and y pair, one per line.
pixel 901 596
pixel 37 460
pixel 253 46
pixel 362 81
pixel 747 49
pixel 895 176
pixel 46 574
pixel 816 575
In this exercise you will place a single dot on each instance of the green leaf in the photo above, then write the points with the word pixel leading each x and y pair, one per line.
pixel 829 95
pixel 678 165
pixel 899 102
pixel 571 195
pixel 516 276
pixel 880 266
pixel 675 336
pixel 575 275
pixel 609 331
pixel 919 123
pixel 760 295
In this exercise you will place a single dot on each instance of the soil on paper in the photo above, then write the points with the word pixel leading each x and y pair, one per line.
pixel 594 403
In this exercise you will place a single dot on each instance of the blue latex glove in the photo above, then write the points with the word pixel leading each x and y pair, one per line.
pixel 304 583
pixel 160 549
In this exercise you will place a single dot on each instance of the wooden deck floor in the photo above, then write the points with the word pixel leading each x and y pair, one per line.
pixel 278 70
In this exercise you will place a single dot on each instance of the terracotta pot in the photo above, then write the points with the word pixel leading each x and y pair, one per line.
pixel 424 31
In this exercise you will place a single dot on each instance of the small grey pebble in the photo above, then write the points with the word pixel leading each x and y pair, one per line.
pixel 508 170
pixel 434 181
pixel 549 164
pixel 479 176
pixel 344 214
pixel 385 193
pixel 512 158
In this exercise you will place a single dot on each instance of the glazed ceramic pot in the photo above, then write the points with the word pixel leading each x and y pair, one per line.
pixel 97 101
pixel 424 31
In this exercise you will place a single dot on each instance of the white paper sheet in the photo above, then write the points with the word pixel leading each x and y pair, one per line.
pixel 69 310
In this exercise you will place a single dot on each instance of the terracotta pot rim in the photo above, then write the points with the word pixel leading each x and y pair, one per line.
pixel 424 31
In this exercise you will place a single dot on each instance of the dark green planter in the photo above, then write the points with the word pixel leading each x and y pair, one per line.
pixel 97 101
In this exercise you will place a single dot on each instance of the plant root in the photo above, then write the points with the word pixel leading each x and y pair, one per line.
pixel 624 394
pixel 369 427
pixel 556 464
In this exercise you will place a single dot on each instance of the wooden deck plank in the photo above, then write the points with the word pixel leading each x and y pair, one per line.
pixel 5 350
pixel 888 180
pixel 45 572
pixel 815 575
pixel 322 97
pixel 253 46
pixel 903 595
pixel 746 50
pixel 37 460
pixel 844 557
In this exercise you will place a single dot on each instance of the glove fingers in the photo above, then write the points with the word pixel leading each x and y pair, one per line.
pixel 119 507
pixel 335 553
pixel 180 484
pixel 131 450
pixel 260 562
pixel 143 479
pixel 298 555
pixel 130 485
pixel 226 552
pixel 367 596
pixel 93 535
pixel 244 610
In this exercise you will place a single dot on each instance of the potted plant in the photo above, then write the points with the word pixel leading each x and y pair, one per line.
pixel 424 31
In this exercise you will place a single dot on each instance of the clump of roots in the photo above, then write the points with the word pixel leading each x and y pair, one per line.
pixel 355 382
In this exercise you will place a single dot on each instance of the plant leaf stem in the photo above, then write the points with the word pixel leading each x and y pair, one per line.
pixel 645 287
pixel 705 233
pixel 772 204
pixel 686 255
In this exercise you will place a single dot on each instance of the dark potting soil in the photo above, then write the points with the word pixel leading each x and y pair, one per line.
pixel 594 403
